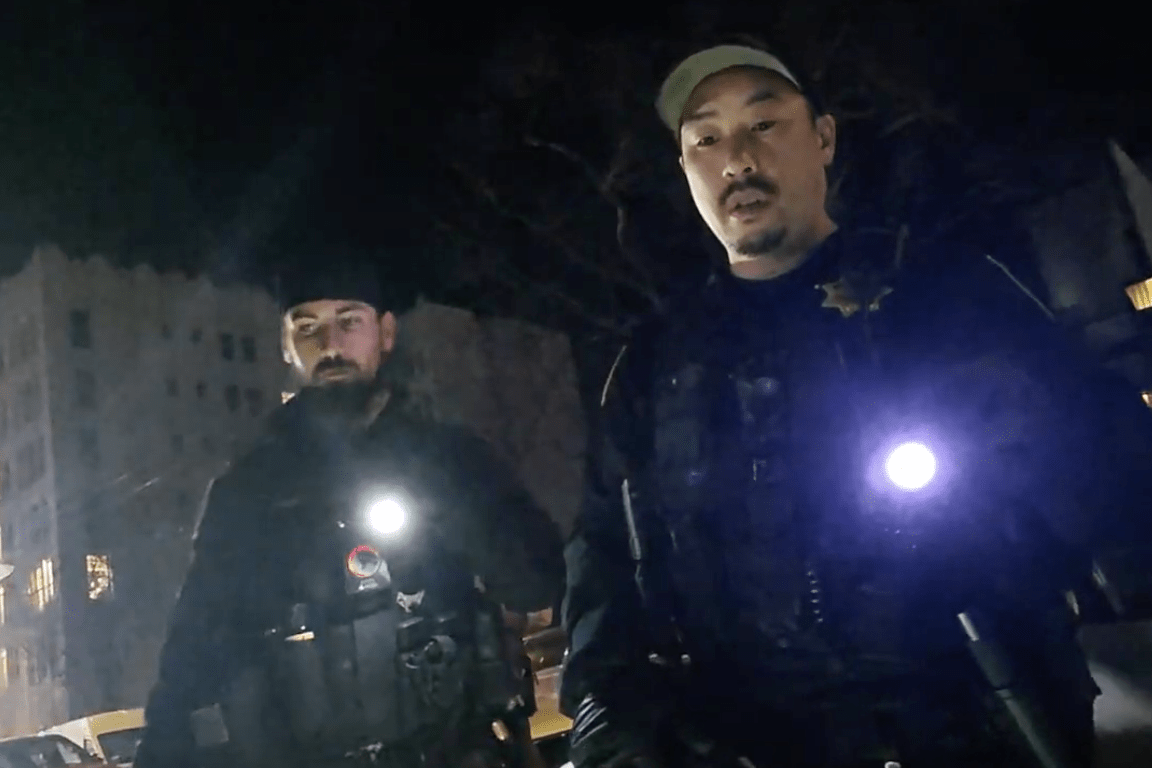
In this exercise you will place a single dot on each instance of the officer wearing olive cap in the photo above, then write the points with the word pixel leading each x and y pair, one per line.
pixel 344 604
pixel 756 579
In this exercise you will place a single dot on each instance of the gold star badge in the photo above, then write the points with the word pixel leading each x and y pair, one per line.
pixel 845 297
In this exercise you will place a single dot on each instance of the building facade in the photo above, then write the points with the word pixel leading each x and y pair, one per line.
pixel 122 392
pixel 1094 246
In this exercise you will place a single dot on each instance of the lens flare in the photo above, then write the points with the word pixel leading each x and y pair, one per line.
pixel 386 516
pixel 911 466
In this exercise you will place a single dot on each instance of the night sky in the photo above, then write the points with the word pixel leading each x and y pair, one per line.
pixel 244 138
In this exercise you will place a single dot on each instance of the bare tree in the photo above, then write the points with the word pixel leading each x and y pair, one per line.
pixel 568 202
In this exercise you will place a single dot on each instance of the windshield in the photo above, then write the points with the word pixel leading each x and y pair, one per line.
pixel 120 746
pixel 41 752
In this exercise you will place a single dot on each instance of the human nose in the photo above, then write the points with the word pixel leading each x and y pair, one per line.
pixel 741 159
pixel 328 337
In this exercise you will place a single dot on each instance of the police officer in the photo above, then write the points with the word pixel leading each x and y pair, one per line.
pixel 838 516
pixel 343 606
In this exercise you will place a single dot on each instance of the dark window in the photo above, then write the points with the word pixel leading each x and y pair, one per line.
pixel 29 401
pixel 79 328
pixel 5 479
pixel 85 389
pixel 197 334
pixel 201 389
pixel 166 331
pixel 9 535
pixel 3 419
pixel 232 397
pixel 182 501
pixel 248 349
pixel 178 443
pixel 89 448
pixel 171 386
pixel 1 361
pixel 207 444
pixel 255 400
pixel 227 346
pixel 30 464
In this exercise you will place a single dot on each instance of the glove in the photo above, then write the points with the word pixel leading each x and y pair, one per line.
pixel 613 737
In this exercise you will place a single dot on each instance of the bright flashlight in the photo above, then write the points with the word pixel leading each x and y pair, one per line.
pixel 911 466
pixel 386 516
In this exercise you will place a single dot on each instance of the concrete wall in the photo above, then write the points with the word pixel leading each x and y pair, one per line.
pixel 512 382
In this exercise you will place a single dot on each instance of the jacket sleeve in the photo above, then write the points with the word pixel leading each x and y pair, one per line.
pixel 509 540
pixel 609 687
pixel 198 647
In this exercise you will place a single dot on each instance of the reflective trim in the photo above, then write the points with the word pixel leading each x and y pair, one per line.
pixel 611 375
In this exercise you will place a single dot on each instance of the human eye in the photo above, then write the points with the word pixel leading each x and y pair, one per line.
pixel 764 125
pixel 705 141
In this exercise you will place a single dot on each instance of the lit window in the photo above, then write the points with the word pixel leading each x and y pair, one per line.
pixel 42 585
pixel 99 577
pixel 1147 398
pixel 3 669
pixel 1140 294
pixel 3 605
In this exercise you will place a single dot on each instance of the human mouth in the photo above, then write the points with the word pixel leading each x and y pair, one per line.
pixel 747 203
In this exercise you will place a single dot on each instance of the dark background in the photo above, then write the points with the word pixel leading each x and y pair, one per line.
pixel 258 139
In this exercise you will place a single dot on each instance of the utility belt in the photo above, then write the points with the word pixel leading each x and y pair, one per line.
pixel 397 680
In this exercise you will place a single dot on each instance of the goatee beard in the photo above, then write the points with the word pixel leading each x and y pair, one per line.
pixel 762 244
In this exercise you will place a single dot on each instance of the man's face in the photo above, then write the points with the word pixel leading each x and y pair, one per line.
pixel 331 341
pixel 755 162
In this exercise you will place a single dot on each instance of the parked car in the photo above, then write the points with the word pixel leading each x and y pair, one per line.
pixel 46 751
pixel 550 728
pixel 111 736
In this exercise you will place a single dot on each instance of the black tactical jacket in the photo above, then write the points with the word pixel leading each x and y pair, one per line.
pixel 1043 458
pixel 254 523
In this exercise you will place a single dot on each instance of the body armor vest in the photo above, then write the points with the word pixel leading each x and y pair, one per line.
pixel 757 474
pixel 373 647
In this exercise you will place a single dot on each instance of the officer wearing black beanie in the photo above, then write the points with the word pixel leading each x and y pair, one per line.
pixel 344 602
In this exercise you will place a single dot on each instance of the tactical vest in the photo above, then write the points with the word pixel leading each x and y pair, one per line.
pixel 368 646
pixel 756 481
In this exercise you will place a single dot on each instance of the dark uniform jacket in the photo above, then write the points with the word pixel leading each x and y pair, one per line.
pixel 256 522
pixel 747 422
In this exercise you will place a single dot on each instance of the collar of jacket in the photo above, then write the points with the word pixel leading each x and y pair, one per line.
pixel 825 263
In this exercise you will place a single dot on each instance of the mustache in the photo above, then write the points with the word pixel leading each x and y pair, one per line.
pixel 333 364
pixel 758 183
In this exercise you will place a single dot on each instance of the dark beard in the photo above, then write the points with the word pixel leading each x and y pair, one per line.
pixel 762 244
pixel 339 404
